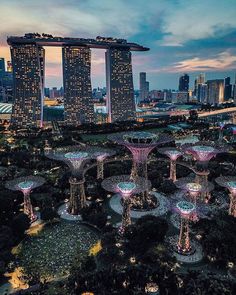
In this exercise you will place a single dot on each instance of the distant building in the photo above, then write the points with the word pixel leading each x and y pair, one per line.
pixel 2 66
pixel 215 91
pixel 28 90
pixel 143 86
pixel 202 93
pixel 179 97
pixel 120 89
pixel 198 81
pixel 77 85
pixel 9 66
pixel 227 89
pixel 184 83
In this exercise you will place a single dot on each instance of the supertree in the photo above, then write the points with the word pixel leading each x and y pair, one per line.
pixel 126 187
pixel 233 140
pixel 173 154
pixel 221 131
pixel 203 152
pixel 26 184
pixel 186 210
pixel 75 157
pixel 101 155
pixel 229 182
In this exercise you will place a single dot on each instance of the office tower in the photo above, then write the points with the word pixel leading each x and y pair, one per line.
pixel 215 91
pixel 2 66
pixel 28 87
pixel 77 85
pixel 227 89
pixel 143 86
pixel 202 93
pixel 120 89
pixel 184 83
pixel 201 78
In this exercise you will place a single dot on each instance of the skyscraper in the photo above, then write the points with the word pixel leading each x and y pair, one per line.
pixel 184 82
pixel 227 88
pixel 215 91
pixel 28 76
pixel 2 66
pixel 77 85
pixel 120 89
pixel 202 93
pixel 143 86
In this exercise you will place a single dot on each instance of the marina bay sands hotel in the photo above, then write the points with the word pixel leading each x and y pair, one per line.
pixel 28 60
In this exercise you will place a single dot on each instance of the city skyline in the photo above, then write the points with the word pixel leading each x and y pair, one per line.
pixel 208 44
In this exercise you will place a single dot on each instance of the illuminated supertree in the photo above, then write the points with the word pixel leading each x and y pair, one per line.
pixel 233 140
pixel 173 154
pixel 193 189
pixel 101 155
pixel 75 157
pixel 186 210
pixel 230 183
pixel 203 152
pixel 26 184
pixel 126 187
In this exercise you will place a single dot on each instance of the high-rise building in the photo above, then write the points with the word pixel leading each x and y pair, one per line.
pixel 143 86
pixel 227 88
pixel 202 93
pixel 120 89
pixel 9 66
pixel 215 91
pixel 77 85
pixel 184 82
pixel 28 86
pixel 2 66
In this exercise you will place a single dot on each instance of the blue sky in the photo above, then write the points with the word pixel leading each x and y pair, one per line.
pixel 183 36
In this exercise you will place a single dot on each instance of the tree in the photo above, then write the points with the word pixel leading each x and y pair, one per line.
pixel 20 224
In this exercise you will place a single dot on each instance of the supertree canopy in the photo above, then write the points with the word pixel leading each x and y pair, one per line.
pixel 75 157
pixel 126 187
pixel 202 152
pixel 140 144
pixel 26 184
pixel 186 209
pixel 101 155
pixel 192 188
pixel 229 182
pixel 173 154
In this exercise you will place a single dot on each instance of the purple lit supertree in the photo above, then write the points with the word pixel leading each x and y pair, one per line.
pixel 193 189
pixel 26 184
pixel 186 210
pixel 126 187
pixel 203 152
pixel 229 182
pixel 75 157
pixel 173 154
pixel 101 155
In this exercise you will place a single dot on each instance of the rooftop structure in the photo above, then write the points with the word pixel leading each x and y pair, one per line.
pixel 173 154
pixel 229 182
pixel 126 187
pixel 49 40
pixel 26 184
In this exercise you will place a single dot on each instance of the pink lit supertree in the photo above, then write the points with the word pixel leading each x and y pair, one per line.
pixel 75 157
pixel 186 211
pixel 101 156
pixel 173 154
pixel 193 189
pixel 127 188
pixel 26 184
pixel 203 152
pixel 140 145
pixel 229 182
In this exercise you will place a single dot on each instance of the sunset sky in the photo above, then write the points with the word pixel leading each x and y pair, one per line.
pixel 183 35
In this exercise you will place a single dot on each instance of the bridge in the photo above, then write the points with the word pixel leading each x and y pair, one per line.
pixel 217 112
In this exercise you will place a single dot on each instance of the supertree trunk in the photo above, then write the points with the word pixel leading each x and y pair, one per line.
pixel 77 196
pixel 100 170
pixel 126 219
pixel 28 208
pixel 202 179
pixel 232 205
pixel 173 170
pixel 220 136
pixel 184 241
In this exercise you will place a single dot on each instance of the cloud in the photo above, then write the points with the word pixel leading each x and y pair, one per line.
pixel 221 62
